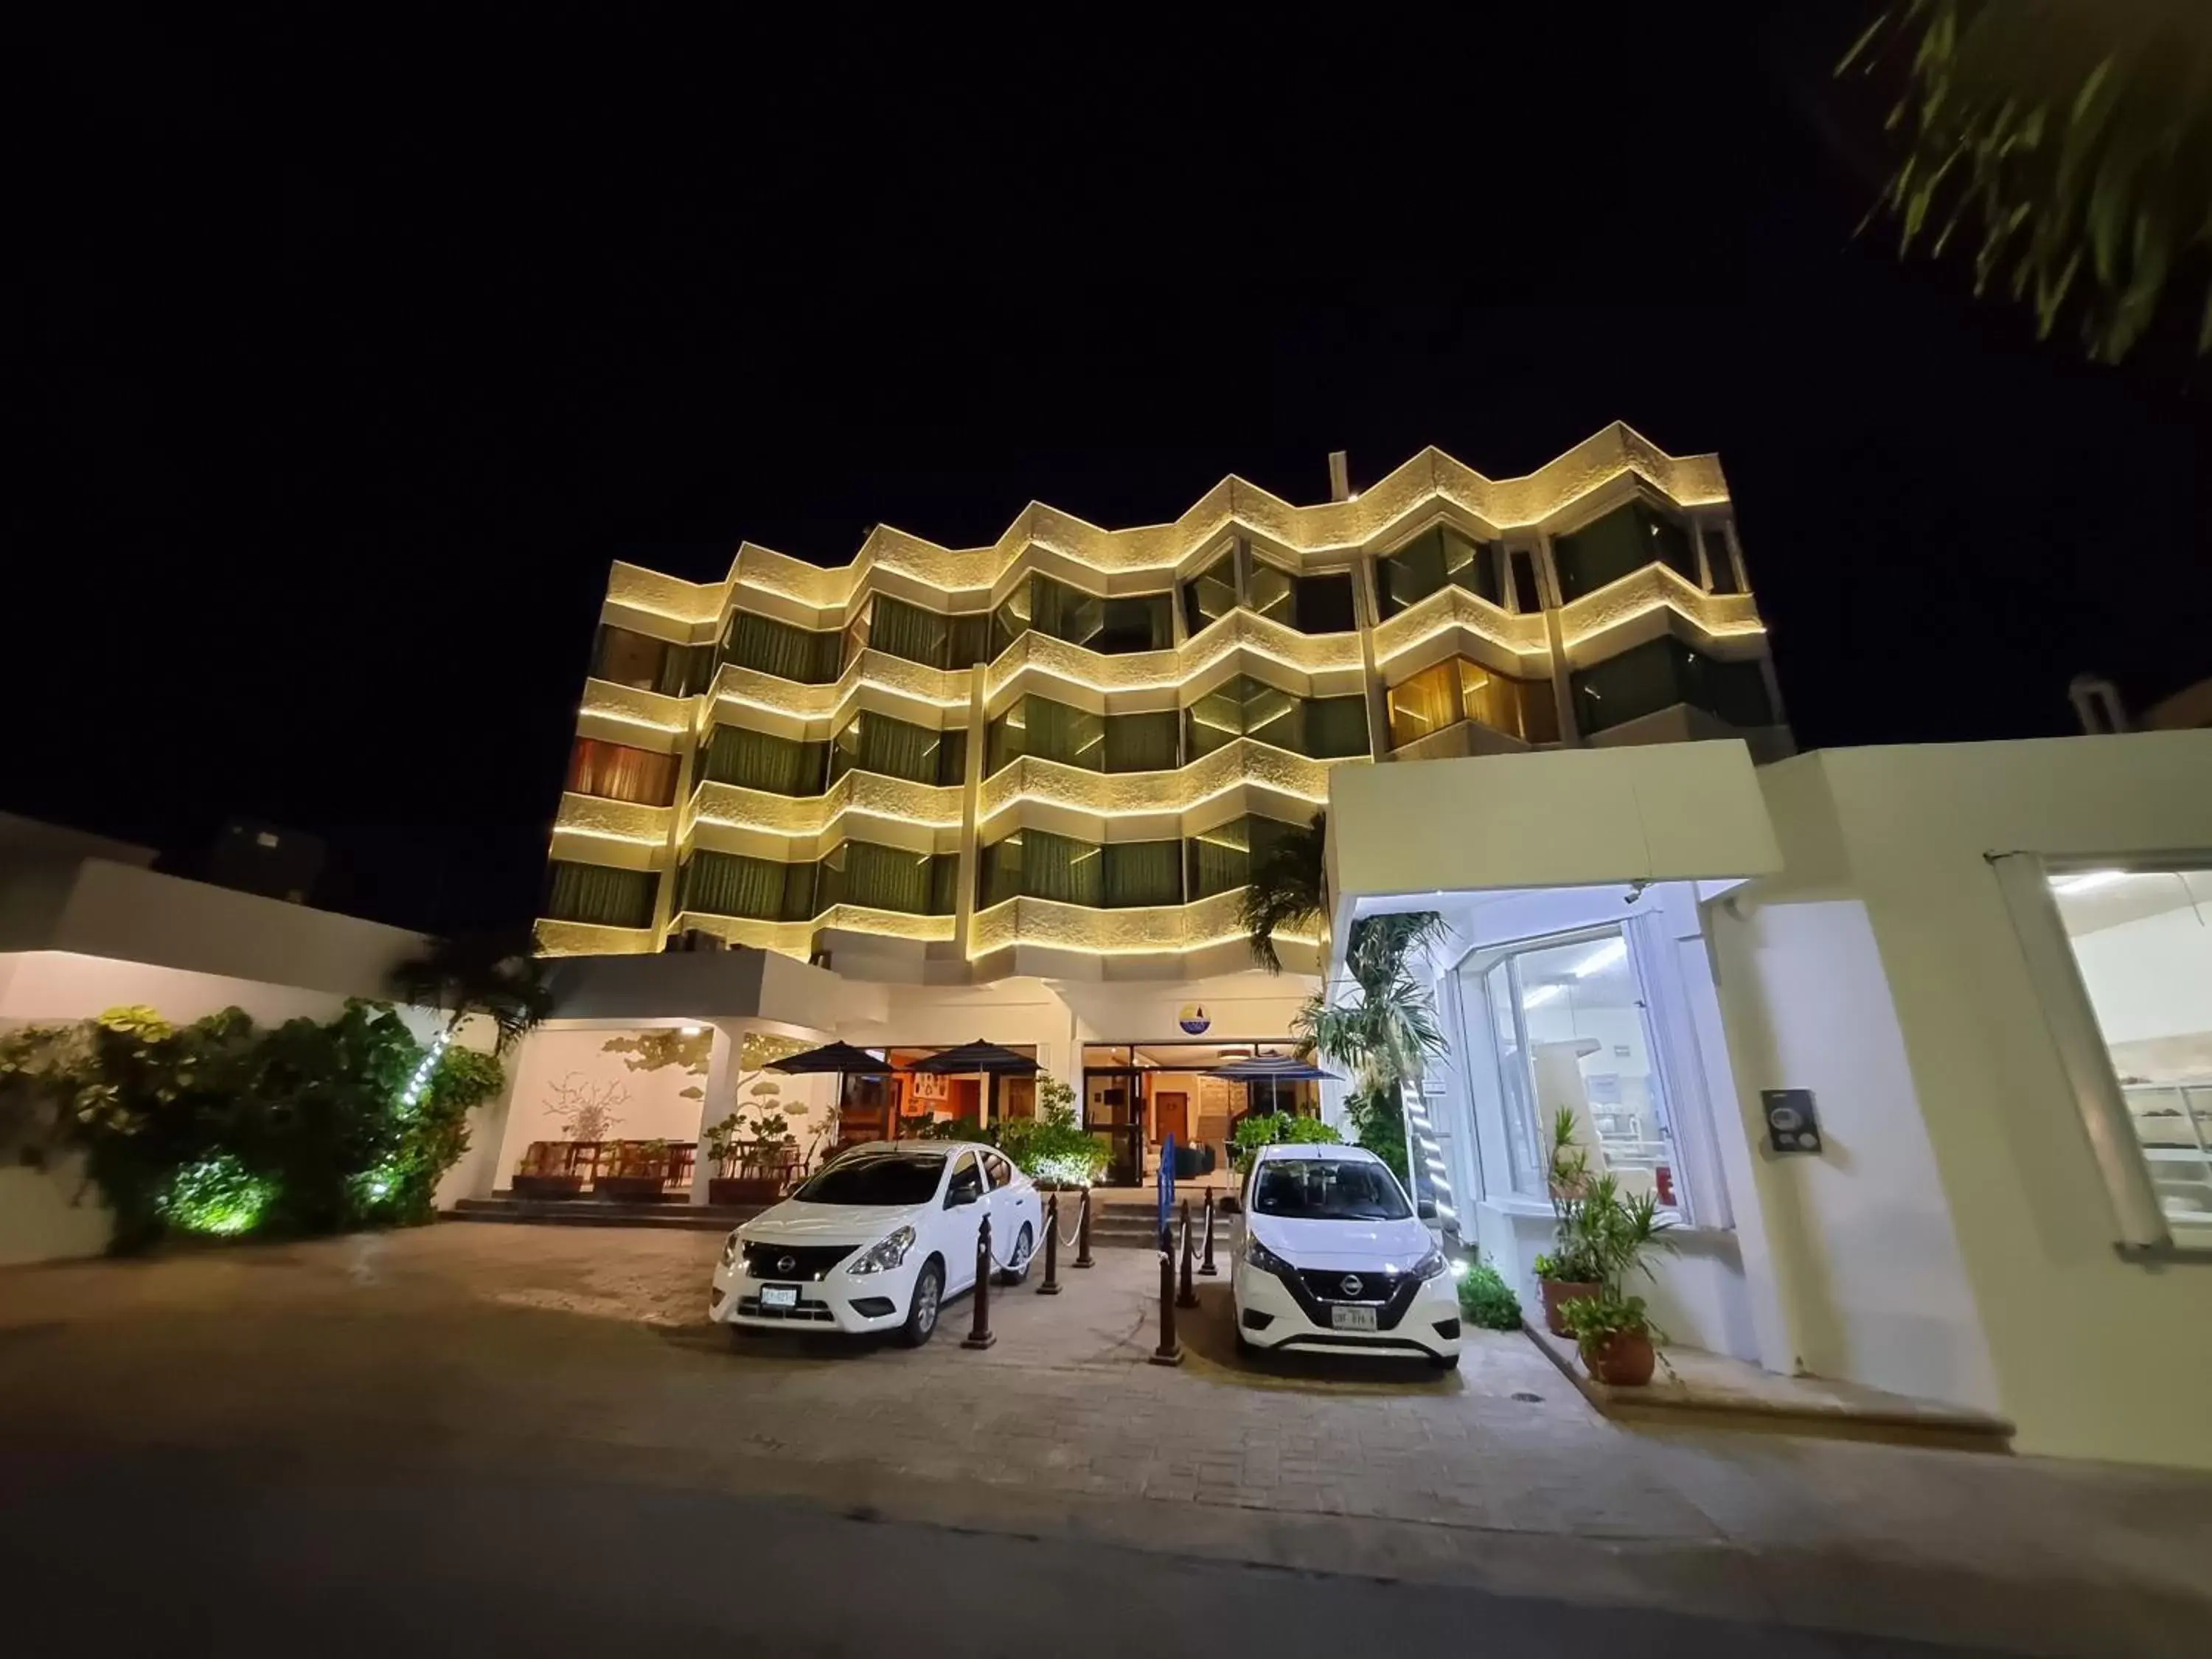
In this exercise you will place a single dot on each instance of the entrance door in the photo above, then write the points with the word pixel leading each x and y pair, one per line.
pixel 1114 1105
pixel 1171 1116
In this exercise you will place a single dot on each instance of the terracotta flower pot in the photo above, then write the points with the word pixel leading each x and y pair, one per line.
pixel 743 1189
pixel 1621 1360
pixel 628 1190
pixel 1557 1293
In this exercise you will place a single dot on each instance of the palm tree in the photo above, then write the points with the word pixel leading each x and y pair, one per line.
pixel 2074 137
pixel 1384 1031
pixel 1288 886
pixel 488 974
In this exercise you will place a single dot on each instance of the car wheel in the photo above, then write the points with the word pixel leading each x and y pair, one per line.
pixel 1024 1249
pixel 928 1302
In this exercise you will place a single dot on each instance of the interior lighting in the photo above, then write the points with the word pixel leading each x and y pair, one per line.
pixel 691 1030
pixel 2087 882
pixel 1612 951
pixel 1541 995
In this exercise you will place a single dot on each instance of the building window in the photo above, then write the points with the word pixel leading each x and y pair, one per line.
pixel 1569 1033
pixel 1336 727
pixel 1312 604
pixel 1116 626
pixel 2141 941
pixel 735 884
pixel 624 657
pixel 1440 556
pixel 600 896
pixel 1033 864
pixel 930 637
pixel 1244 707
pixel 1210 595
pixel 809 656
pixel 1621 543
pixel 762 760
pixel 1720 560
pixel 1143 742
pixel 1456 690
pixel 1142 872
pixel 1221 858
pixel 615 771
pixel 1662 672
pixel 882 878
pixel 869 742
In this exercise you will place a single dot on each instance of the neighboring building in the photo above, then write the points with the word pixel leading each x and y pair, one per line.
pixel 257 857
pixel 1055 756
pixel 2101 709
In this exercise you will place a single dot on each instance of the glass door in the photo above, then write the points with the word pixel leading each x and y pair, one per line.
pixel 1114 1106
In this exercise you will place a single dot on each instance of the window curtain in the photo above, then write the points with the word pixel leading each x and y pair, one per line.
pixel 1427 702
pixel 999 872
pixel 1057 868
pixel 967 641
pixel 603 897
pixel 908 631
pixel 952 756
pixel 1003 741
pixel 733 884
pixel 1140 873
pixel 685 669
pixel 1219 859
pixel 869 742
pixel 1056 732
pixel 615 771
pixel 762 760
pixel 888 877
pixel 1011 619
pixel 1065 613
pixel 1141 742
pixel 1133 622
pixel 776 647
pixel 1622 542
pixel 1640 681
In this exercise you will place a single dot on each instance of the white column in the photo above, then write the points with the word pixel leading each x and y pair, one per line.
pixel 721 1075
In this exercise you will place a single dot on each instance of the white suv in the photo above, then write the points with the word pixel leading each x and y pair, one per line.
pixel 1333 1257
pixel 878 1240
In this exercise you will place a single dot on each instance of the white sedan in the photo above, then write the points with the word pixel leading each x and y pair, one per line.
pixel 1332 1256
pixel 878 1240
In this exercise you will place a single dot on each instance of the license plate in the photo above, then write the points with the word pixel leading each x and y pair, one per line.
pixel 786 1296
pixel 1352 1319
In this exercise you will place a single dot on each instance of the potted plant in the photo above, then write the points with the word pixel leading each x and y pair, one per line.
pixel 641 1173
pixel 544 1172
pixel 1615 1337
pixel 1570 1270
pixel 741 1174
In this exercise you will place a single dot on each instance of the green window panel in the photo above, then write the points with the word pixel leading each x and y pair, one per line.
pixel 762 760
pixel 624 657
pixel 1033 864
pixel 1618 544
pixel 1223 857
pixel 599 894
pixel 1662 672
pixel 809 656
pixel 1244 707
pixel 734 884
pixel 1143 742
pixel 1210 595
pixel 881 878
pixel 1004 739
pixel 1336 727
pixel 1141 873
pixel 1438 557
pixel 1057 731
pixel 1312 604
pixel 871 742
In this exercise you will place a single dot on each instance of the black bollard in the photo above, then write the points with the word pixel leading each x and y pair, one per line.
pixel 1188 1297
pixel 1051 1285
pixel 1206 1268
pixel 1169 1352
pixel 1083 1234
pixel 979 1335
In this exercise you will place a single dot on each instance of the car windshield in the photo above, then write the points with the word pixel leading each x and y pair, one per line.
pixel 884 1178
pixel 1329 1190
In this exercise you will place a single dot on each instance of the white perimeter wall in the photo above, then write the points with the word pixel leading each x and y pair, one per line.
pixel 1883 971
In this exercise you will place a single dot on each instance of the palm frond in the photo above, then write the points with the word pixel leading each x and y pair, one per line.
pixel 1288 887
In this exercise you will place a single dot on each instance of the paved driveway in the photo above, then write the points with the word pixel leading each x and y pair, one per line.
pixel 582 1351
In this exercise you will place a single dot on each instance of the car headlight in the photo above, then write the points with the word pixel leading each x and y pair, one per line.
pixel 1258 1255
pixel 1432 1266
pixel 881 1258
pixel 731 1246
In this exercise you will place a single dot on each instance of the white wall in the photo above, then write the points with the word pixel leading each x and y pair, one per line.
pixel 1890 899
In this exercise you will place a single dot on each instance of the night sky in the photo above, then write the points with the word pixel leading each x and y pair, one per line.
pixel 343 356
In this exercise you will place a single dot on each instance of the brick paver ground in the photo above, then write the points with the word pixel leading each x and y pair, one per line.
pixel 586 1349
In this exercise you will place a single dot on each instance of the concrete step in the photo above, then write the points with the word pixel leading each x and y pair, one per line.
pixel 600 1212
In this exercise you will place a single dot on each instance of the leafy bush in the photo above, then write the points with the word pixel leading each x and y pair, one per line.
pixel 1260 1129
pixel 1487 1300
pixel 220 1126
pixel 1053 1146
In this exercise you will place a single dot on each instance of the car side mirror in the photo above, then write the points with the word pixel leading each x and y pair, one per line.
pixel 960 1197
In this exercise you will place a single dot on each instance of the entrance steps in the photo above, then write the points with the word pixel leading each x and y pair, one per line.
pixel 601 1212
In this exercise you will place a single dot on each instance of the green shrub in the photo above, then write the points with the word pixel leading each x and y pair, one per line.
pixel 1260 1129
pixel 1053 1146
pixel 1487 1300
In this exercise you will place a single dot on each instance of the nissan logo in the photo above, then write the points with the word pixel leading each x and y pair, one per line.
pixel 1351 1284
pixel 787 1264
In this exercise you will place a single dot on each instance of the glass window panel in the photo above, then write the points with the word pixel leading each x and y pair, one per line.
pixel 1058 731
pixel 601 896
pixel 1210 595
pixel 1142 872
pixel 1528 593
pixel 1033 864
pixel 968 640
pixel 1004 739
pixel 1624 541
pixel 871 742
pixel 733 884
pixel 615 771
pixel 1324 604
pixel 1736 691
pixel 1588 1052
pixel 888 877
pixel 2143 941
pixel 1719 562
pixel 1522 708
pixel 624 657
pixel 1427 702
pixel 1640 681
pixel 1219 859
pixel 1274 593
pixel 1010 620
pixel 1336 727
pixel 762 760
pixel 1525 1137
pixel 1134 621
pixel 1142 743
pixel 908 631
pixel 1215 719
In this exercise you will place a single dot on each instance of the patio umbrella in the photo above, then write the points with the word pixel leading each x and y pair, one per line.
pixel 987 1058
pixel 845 1060
pixel 1273 1070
